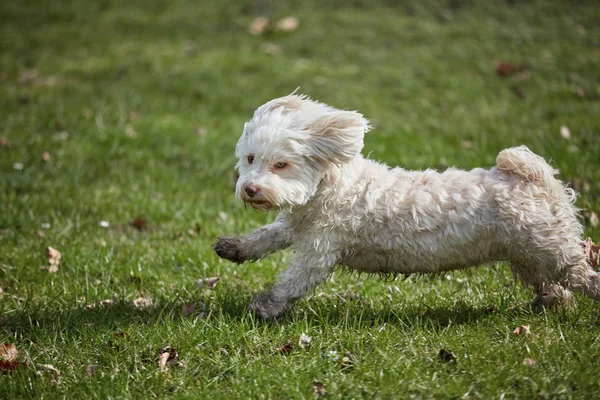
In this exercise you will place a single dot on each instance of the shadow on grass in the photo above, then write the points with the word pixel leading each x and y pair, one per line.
pixel 230 306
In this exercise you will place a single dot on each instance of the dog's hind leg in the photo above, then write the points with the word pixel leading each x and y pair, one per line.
pixel 549 293
pixel 586 281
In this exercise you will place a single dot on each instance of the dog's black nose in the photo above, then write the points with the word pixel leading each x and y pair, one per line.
pixel 251 190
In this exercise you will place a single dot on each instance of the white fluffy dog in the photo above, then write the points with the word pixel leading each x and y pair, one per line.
pixel 336 208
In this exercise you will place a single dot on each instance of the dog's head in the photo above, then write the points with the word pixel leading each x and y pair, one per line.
pixel 288 146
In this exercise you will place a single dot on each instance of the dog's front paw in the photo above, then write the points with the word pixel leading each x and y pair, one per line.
pixel 230 248
pixel 266 306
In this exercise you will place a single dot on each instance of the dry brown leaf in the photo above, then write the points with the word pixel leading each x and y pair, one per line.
pixel 139 223
pixel 3 142
pixel 304 341
pixel 447 355
pixel 522 330
pixel 270 48
pixel 580 92
pixel 53 269
pixel 592 253
pixel 134 115
pixel 28 75
pixel 168 356
pixel 45 156
pixel 258 26
pixel 107 302
pixel 201 131
pixel 506 69
pixel 41 368
pixel 8 352
pixel 189 309
pixel 142 303
pixel 91 369
pixel 319 389
pixel 53 256
pixel 288 24
pixel 191 232
pixel 529 362
pixel 130 131
pixel 210 282
pixel 285 349
pixel 466 144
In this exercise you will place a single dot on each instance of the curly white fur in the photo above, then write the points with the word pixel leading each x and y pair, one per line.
pixel 337 208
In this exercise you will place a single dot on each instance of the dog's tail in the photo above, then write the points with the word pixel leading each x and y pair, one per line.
pixel 526 165
pixel 529 167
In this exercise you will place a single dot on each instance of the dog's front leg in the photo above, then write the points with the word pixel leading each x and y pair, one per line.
pixel 257 244
pixel 301 277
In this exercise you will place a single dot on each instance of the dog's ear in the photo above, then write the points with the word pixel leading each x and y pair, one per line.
pixel 337 137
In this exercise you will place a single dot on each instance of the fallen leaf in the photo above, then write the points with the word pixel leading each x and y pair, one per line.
pixel 139 223
pixel 45 156
pixel 142 303
pixel 91 369
pixel 28 75
pixel 304 341
pixel 8 352
pixel 40 234
pixel 188 309
pixel 466 144
pixel 285 349
pixel 210 282
pixel 201 131
pixel 288 24
pixel 53 256
pixel 130 132
pixel 592 253
pixel 447 355
pixel 529 362
pixel 348 360
pixel 516 89
pixel 580 92
pixel 192 232
pixel 18 166
pixel 319 389
pixel 62 135
pixel 41 368
pixel 53 269
pixel 134 116
pixel 565 132
pixel 87 112
pixel 270 48
pixel 3 142
pixel 506 69
pixel 522 330
pixel 168 356
pixel 258 26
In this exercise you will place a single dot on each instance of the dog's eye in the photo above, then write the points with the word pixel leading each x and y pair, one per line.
pixel 280 164
pixel 250 159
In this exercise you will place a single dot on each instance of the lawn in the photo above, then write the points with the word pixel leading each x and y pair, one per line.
pixel 117 134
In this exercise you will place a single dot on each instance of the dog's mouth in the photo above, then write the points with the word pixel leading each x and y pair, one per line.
pixel 258 204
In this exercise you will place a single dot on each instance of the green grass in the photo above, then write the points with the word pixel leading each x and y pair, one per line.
pixel 423 73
